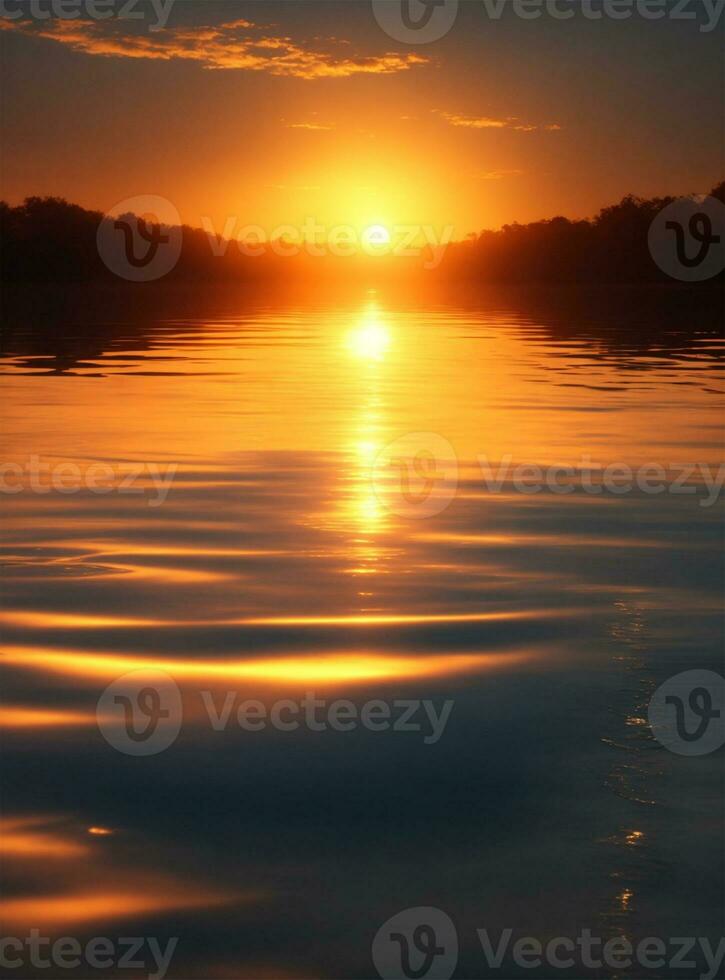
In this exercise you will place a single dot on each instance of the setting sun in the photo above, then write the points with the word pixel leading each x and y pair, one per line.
pixel 362 485
pixel 371 339
pixel 376 236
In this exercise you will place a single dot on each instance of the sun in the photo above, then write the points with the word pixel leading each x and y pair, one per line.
pixel 376 236
pixel 370 339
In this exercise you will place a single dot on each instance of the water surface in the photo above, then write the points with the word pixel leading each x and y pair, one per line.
pixel 275 562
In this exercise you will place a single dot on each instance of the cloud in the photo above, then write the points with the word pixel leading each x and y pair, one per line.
pixel 234 45
pixel 488 122
pixel 308 125
pixel 474 122
pixel 498 174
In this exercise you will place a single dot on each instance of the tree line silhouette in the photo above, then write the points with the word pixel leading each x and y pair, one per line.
pixel 612 247
pixel 47 239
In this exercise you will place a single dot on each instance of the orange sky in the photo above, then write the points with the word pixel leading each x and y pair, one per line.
pixel 273 113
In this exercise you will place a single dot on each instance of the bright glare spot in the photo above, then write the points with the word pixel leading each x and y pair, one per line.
pixel 370 339
pixel 368 510
pixel 367 450
pixel 371 342
pixel 376 235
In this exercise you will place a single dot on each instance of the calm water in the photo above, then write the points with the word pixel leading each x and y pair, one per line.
pixel 277 562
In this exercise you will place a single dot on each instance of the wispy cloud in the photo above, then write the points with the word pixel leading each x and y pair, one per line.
pixel 308 125
pixel 498 174
pixel 489 122
pixel 473 122
pixel 235 45
pixel 295 187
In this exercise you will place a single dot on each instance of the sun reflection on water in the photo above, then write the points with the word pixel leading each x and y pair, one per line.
pixel 276 565
pixel 370 338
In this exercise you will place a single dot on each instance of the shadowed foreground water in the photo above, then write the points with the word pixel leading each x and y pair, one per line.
pixel 261 553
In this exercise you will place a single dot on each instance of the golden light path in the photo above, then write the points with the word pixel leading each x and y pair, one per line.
pixel 21 838
pixel 20 717
pixel 33 619
pixel 51 910
pixel 319 670
pixel 370 338
pixel 30 841
pixel 542 540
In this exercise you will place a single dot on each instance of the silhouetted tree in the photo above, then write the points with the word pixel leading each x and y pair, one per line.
pixel 48 240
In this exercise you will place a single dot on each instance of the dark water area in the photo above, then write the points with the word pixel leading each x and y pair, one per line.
pixel 209 483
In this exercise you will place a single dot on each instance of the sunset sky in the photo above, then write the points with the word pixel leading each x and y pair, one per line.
pixel 272 112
